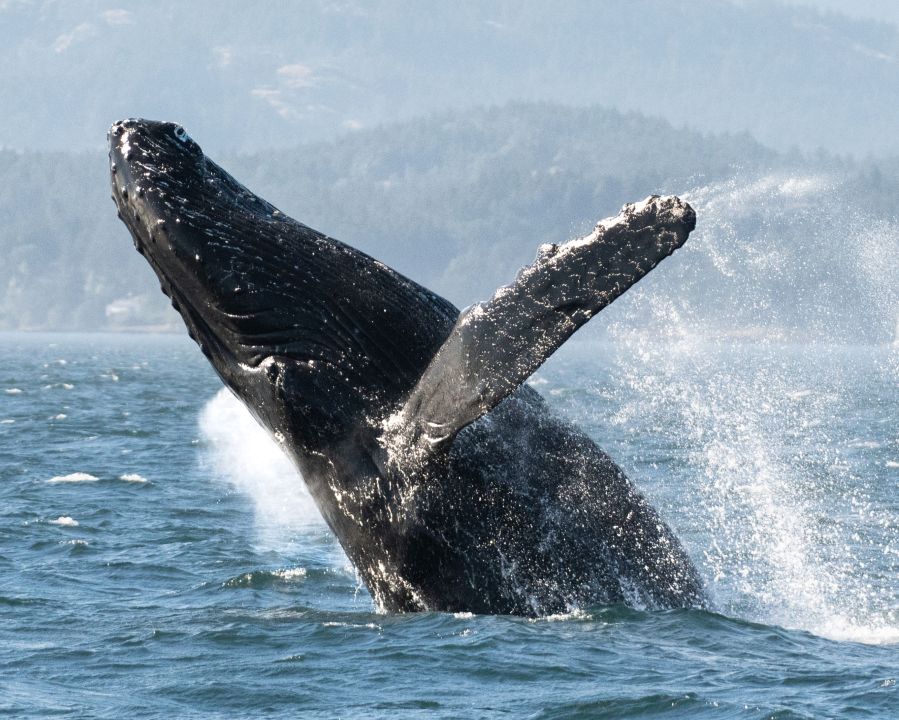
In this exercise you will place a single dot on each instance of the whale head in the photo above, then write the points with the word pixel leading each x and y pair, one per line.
pixel 198 228
pixel 311 334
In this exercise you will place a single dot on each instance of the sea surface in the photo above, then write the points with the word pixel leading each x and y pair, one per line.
pixel 159 558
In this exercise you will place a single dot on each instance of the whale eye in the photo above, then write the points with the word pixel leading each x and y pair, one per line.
pixel 181 134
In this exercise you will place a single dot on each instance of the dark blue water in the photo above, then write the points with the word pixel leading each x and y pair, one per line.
pixel 159 559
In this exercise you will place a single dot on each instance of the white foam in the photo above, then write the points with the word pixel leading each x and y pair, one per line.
pixel 892 463
pixel 241 452
pixel 13 391
pixel 844 630
pixel 76 477
pixel 575 614
pixel 360 626
pixel 133 478
pixel 291 573
pixel 60 416
pixel 7 421
pixel 65 521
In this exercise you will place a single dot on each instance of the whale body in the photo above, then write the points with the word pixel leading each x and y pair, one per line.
pixel 449 482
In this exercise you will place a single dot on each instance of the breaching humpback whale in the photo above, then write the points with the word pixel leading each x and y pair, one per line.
pixel 449 483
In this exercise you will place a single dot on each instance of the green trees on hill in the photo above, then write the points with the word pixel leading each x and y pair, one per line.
pixel 457 201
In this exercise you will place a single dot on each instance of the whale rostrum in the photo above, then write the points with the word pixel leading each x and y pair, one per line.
pixel 448 481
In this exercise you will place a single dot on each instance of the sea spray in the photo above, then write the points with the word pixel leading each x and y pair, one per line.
pixel 241 452
pixel 740 364
pixel 782 497
pixel 789 258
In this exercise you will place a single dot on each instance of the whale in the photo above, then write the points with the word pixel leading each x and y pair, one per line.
pixel 448 480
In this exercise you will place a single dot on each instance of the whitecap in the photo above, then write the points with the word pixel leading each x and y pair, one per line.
pixel 60 416
pixel 843 631
pixel 291 573
pixel 7 421
pixel 133 478
pixel 73 542
pixel 65 520
pixel 463 615
pixel 575 614
pixel 13 391
pixel 76 477
pixel 892 463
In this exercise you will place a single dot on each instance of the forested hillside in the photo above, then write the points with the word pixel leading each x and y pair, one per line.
pixel 458 201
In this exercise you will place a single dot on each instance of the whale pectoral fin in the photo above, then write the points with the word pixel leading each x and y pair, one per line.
pixel 496 345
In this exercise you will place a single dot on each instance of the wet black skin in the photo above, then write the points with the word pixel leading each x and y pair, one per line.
pixel 521 513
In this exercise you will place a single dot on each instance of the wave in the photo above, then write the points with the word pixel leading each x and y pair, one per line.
pixel 260 579
pixel 133 478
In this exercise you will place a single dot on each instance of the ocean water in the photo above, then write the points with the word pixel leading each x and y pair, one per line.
pixel 159 558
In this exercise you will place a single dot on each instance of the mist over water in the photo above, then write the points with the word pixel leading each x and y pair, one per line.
pixel 789 489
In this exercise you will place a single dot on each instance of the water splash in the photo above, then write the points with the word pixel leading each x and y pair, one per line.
pixel 242 453
pixel 790 258
pixel 786 503
pixel 791 507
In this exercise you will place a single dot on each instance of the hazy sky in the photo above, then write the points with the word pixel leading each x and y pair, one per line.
pixel 251 75
pixel 886 10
